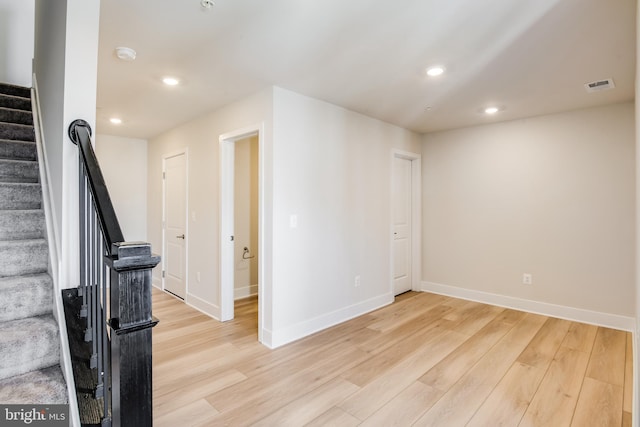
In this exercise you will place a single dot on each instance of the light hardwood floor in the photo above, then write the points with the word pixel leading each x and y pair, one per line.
pixel 426 360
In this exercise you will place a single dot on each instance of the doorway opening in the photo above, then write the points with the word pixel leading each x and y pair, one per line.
pixel 241 221
pixel 406 219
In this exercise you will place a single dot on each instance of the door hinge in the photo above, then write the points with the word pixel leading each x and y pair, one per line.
pixel 164 175
pixel 163 274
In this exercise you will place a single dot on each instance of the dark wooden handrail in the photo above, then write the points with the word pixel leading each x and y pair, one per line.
pixel 115 284
pixel 80 134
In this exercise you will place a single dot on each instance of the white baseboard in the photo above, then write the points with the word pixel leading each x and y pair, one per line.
pixel 308 327
pixel 245 292
pixel 613 321
pixel 203 306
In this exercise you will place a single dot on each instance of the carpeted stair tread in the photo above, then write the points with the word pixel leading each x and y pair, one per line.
pixel 41 387
pixel 18 171
pixel 15 102
pixel 11 115
pixel 20 195
pixel 25 296
pixel 22 224
pixel 28 344
pixel 23 257
pixel 17 132
pixel 18 150
pixel 9 89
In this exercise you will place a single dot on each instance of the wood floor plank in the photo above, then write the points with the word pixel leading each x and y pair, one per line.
pixel 545 344
pixel 628 375
pixel 556 398
pixel 411 309
pixel 580 337
pixel 607 361
pixel 509 400
pixel 448 371
pixel 476 319
pixel 272 391
pixel 430 316
pixel 462 400
pixel 169 399
pixel 190 414
pixel 599 404
pixel 311 405
pixel 406 407
pixel 385 387
pixel 380 363
pixel 334 417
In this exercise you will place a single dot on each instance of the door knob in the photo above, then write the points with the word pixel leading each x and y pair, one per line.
pixel 180 237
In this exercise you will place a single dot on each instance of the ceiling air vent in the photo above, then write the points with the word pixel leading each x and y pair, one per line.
pixel 600 85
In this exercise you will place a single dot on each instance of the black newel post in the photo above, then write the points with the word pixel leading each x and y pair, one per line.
pixel 131 323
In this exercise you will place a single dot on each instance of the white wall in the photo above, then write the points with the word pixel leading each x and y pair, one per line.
pixel 246 217
pixel 65 64
pixel 552 196
pixel 123 162
pixel 200 138
pixel 16 41
pixel 332 169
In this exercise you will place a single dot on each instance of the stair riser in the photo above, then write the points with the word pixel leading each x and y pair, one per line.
pixel 27 345
pixel 17 225
pixel 15 102
pixel 8 115
pixel 18 171
pixel 7 89
pixel 22 257
pixel 15 150
pixel 25 296
pixel 16 132
pixel 20 196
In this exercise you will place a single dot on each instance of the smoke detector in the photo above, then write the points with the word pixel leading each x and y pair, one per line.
pixel 206 4
pixel 600 85
pixel 125 53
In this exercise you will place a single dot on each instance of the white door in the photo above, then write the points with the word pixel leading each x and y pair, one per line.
pixel 175 207
pixel 402 231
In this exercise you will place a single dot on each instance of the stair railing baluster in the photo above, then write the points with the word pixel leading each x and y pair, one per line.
pixel 122 353
pixel 83 239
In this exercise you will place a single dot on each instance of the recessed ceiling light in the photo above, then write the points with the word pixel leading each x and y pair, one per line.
pixel 491 110
pixel 125 53
pixel 435 71
pixel 170 81
pixel 115 120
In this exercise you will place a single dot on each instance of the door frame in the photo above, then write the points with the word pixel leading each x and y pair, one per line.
pixel 185 152
pixel 416 218
pixel 227 198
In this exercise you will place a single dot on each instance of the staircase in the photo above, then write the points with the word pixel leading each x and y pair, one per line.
pixel 29 342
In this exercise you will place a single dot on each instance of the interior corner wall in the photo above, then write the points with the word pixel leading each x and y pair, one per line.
pixel 123 162
pixel 553 196
pixel 332 173
pixel 16 41
pixel 200 137
pixel 65 64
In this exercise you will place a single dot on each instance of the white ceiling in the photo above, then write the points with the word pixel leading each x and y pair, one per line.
pixel 529 57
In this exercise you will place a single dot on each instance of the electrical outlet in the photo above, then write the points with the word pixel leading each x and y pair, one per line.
pixel 527 279
pixel 356 282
